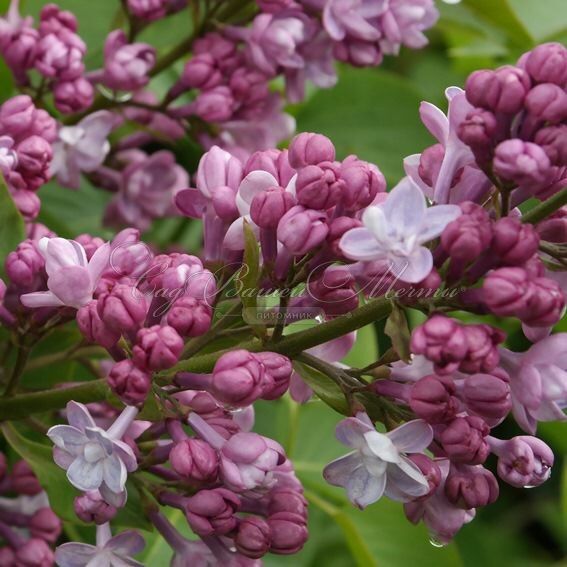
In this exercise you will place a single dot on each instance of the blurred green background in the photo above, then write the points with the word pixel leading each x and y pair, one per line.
pixel 373 113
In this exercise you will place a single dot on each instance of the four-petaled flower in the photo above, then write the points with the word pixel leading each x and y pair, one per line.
pixel 378 465
pixel 94 458
pixel 395 232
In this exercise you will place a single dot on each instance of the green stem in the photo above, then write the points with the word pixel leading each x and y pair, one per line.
pixel 546 208
pixel 71 354
pixel 21 359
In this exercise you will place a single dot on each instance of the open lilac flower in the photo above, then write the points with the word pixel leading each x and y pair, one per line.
pixel 70 278
pixel 378 465
pixel 82 147
pixel 109 551
pixel 395 232
pixel 94 458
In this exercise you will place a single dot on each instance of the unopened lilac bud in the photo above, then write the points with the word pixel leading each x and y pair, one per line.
pixel 7 557
pixel 23 479
pixel 215 105
pixel 268 207
pixel 554 227
pixel 194 460
pixel 201 72
pixel 190 317
pixel 553 140
pixel 506 292
pixel 488 396
pixel 289 533
pixel 442 341
pixel 471 487
pixel 34 157
pixel 157 347
pixel 131 384
pixel 91 507
pixel 523 163
pixel 479 131
pixel 253 537
pixel 310 149
pixel 60 54
pixel 45 525
pixel 90 243
pixel 287 500
pixel 148 10
pixel 482 348
pixel 432 399
pixel 430 471
pixel 514 242
pixel 34 553
pixel 277 374
pixel 466 238
pixel 93 328
pixel 501 90
pixel 73 96
pixel 546 303
pixel 358 53
pixel 17 115
pixel 430 161
pixel 28 204
pixel 547 63
pixel 211 512
pixel 362 182
pixel 301 230
pixel 52 18
pixel 335 291
pixel 319 186
pixel 547 102
pixel 25 265
pixel 122 310
pixel 337 227
pixel 238 378
pixel 464 440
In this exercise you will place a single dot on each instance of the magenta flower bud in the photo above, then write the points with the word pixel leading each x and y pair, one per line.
pixel 466 238
pixel 547 102
pixel 268 207
pixel 547 63
pixel 506 292
pixel 337 227
pixel 287 500
pixel 501 90
pixel 34 156
pixel 93 328
pixel 430 161
pixel 514 242
pixel 90 243
pixel 148 10
pixel 289 533
pixel 335 291
pixel 362 182
pixel 17 115
pixel 488 396
pixel 238 378
pixel 524 461
pixel 430 470
pixel 310 149
pixel 249 86
pixel 45 525
pixel 479 130
pixel 157 347
pixel 215 105
pixel 253 537
pixel 464 440
pixel 554 227
pixel 53 19
pixel 19 49
pixel 131 384
pixel 442 341
pixel 28 204
pixel 126 66
pixel 73 96
pixel 301 230
pixel 194 460
pixel 523 163
pixel 553 140
pixel 319 186
pixel 432 398
pixel 91 507
pixel 60 54
pixel 34 553
pixel 482 354
pixel 122 309
pixel 546 304
pixel 201 72
pixel 471 487
pixel 7 557
pixel 277 374
pixel 25 265
pixel 23 479
pixel 190 317
pixel 358 53
pixel 211 512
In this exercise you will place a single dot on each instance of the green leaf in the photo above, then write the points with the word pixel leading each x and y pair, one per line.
pixel 398 330
pixel 51 477
pixel 12 230
pixel 541 24
pixel 364 350
pixel 247 277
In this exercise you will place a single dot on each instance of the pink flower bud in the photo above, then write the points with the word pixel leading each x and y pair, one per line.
pixel 91 507
pixel 249 87
pixel 514 242
pixel 148 10
pixel 253 537
pixel 501 90
pixel 482 348
pixel 432 399
pixel 335 291
pixel 93 328
pixel 554 228
pixel 194 460
pixel 547 63
pixel 277 374
pixel 553 140
pixel 157 347
pixel 34 157
pixel 287 500
pixel 201 72
pixel 430 470
pixel 60 55
pixel 73 96
pixel 131 384
pixel 45 525
pixel 471 487
pixel 362 182
pixel 53 19
pixel 289 533
pixel 23 479
pixel 301 230
pixel 7 557
pixel 25 265
pixel 268 207
pixel 464 440
pixel 506 291
pixel 488 396
pixel 19 50
pixel 337 227
pixel 190 317
pixel 479 131
pixel 319 186
pixel 122 309
pixel 34 553
pixel 547 102
pixel 215 105
pixel 17 116
pixel 546 304
pixel 238 378
pixel 310 149
pixel 211 512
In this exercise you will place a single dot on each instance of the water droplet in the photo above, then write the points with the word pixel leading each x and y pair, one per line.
pixel 436 542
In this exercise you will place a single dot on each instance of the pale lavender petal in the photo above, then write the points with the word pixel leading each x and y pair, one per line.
pixel 72 285
pixel 413 268
pixel 411 167
pixel 234 237
pixel 98 125
pixel 60 253
pixel 338 472
pixel 527 386
pixel 98 263
pixel 350 432
pixel 68 437
pixel 435 121
pixel 374 219
pixel 79 416
pixel 405 481
pixel 336 349
pixel 536 334
pixel 126 543
pixel 405 207
pixel 114 473
pixel 436 219
pixel 125 562
pixel 102 560
pixel 74 554
pixel 360 244
pixel 253 184
pixel 553 349
pixel 382 446
pixel 364 488
pixel 412 437
pixel 554 382
pixel 40 299
pixel 299 390
pixel 98 436
pixel 84 475
pixel 126 455
pixel 191 203
pixel 62 458
pixel 332 26
pixel 116 499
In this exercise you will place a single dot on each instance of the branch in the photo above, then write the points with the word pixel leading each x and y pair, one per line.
pixel 546 208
